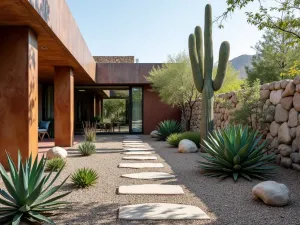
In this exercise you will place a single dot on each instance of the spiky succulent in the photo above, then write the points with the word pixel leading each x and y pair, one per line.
pixel 168 127
pixel 87 148
pixel 55 164
pixel 236 151
pixel 84 177
pixel 28 192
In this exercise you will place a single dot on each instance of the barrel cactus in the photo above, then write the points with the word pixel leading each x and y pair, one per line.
pixel 202 66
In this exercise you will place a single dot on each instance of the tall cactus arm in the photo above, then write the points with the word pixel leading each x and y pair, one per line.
pixel 198 76
pixel 208 43
pixel 222 65
pixel 199 48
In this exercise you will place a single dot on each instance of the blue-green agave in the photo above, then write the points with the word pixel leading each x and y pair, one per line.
pixel 236 151
pixel 168 127
pixel 30 191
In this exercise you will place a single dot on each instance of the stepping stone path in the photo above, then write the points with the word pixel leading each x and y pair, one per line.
pixel 139 157
pixel 161 211
pixel 150 189
pixel 149 175
pixel 134 147
pixel 141 165
pixel 138 153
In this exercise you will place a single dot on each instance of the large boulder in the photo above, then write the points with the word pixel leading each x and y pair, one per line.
pixel 296 101
pixel 281 114
pixel 284 134
pixel 289 89
pixel 272 193
pixel 293 118
pixel 154 134
pixel 275 96
pixel 57 152
pixel 274 127
pixel 287 102
pixel 188 146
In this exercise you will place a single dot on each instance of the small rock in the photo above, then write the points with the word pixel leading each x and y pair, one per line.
pixel 289 90
pixel 296 101
pixel 277 85
pixel 293 118
pixel 265 86
pixel 295 157
pixel 284 83
pixel 298 87
pixel 281 114
pixel 296 80
pixel 272 86
pixel 154 134
pixel 285 150
pixel 284 134
pixel 275 143
pixel 274 127
pixel 272 193
pixel 275 96
pixel 186 145
pixel 286 162
pixel 264 94
pixel 293 132
pixel 57 152
pixel 295 145
pixel 287 102
pixel 296 167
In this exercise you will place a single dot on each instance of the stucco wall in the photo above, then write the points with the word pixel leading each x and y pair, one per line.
pixel 155 111
pixel 281 101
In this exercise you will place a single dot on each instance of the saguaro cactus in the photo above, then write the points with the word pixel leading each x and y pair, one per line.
pixel 202 67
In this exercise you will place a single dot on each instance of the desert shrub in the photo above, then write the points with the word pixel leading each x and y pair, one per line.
pixel 55 164
pixel 89 132
pixel 87 148
pixel 174 139
pixel 168 127
pixel 84 177
pixel 29 195
pixel 236 151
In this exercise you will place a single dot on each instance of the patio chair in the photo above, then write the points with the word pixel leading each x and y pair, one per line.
pixel 43 129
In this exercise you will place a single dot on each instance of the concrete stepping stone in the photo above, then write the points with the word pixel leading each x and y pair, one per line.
pixel 132 141
pixel 140 158
pixel 135 146
pixel 141 165
pixel 137 149
pixel 161 211
pixel 150 189
pixel 139 153
pixel 149 175
pixel 132 137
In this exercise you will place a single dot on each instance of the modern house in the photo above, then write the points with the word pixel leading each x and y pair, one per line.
pixel 47 71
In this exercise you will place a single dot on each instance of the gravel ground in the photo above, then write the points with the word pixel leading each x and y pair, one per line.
pixel 224 201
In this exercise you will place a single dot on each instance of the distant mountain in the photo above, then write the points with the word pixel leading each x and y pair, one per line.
pixel 240 62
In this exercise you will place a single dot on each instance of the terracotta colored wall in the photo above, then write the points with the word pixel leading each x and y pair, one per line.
pixel 123 73
pixel 155 111
pixel 40 106
pixel 18 92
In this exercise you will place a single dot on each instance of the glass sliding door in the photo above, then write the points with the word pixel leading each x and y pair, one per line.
pixel 136 109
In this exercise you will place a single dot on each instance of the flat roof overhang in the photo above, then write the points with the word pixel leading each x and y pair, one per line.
pixel 124 73
pixel 60 42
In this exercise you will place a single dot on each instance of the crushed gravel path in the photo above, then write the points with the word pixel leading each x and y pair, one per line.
pixel 226 202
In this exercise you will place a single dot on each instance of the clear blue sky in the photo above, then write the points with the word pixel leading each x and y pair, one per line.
pixel 151 30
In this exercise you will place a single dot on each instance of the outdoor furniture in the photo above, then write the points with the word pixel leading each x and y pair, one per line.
pixel 43 129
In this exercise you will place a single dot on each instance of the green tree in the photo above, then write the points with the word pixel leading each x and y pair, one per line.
pixel 280 15
pixel 275 54
pixel 113 109
pixel 175 85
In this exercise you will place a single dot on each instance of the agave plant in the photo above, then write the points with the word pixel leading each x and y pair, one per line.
pixel 87 148
pixel 168 127
pixel 84 177
pixel 28 196
pixel 236 151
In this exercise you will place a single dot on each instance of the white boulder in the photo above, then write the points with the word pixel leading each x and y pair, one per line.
pixel 154 134
pixel 186 145
pixel 272 193
pixel 57 152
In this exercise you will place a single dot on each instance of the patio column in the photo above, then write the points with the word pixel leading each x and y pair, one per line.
pixel 98 105
pixel 63 106
pixel 18 92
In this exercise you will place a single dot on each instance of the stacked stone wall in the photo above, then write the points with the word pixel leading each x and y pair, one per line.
pixel 114 59
pixel 281 125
